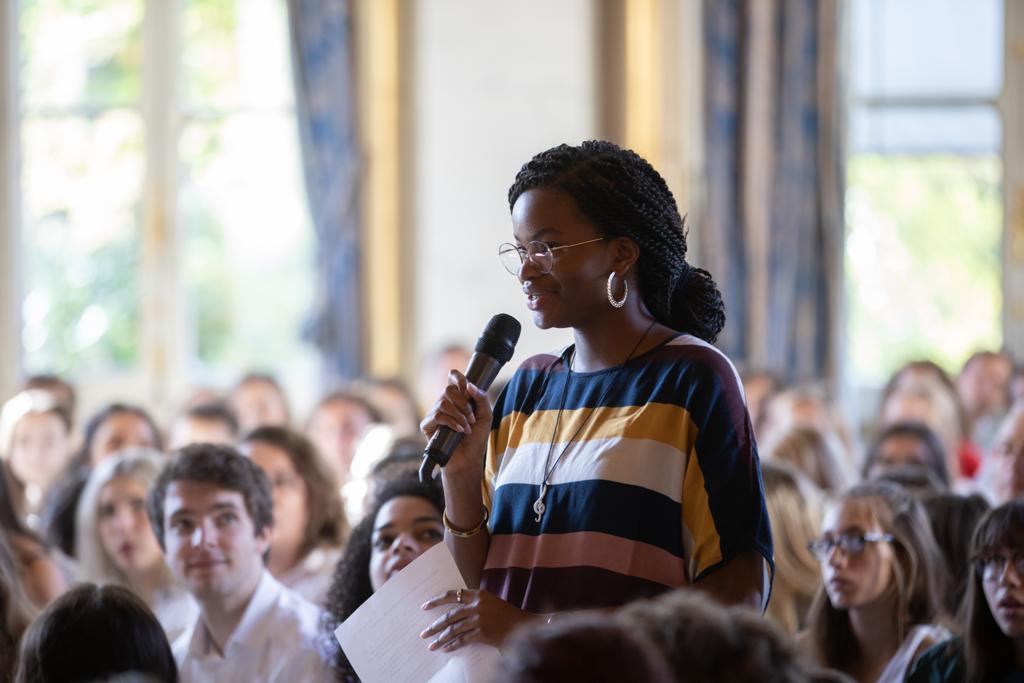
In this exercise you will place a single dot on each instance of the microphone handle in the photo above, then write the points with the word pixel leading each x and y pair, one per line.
pixel 482 370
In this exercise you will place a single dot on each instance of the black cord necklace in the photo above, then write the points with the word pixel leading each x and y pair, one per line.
pixel 538 505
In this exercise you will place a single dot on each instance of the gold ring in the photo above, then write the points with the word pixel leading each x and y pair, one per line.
pixel 458 596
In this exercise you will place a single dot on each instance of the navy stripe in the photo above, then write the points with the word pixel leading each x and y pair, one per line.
pixel 543 590
pixel 686 380
pixel 622 510
pixel 732 475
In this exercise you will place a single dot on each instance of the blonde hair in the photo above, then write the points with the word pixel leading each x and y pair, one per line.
pixel 815 455
pixel 141 465
pixel 22 404
pixel 795 510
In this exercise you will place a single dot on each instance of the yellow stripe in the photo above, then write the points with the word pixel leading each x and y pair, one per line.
pixel 664 422
pixel 703 548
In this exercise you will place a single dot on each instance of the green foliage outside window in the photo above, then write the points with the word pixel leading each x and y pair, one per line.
pixel 922 260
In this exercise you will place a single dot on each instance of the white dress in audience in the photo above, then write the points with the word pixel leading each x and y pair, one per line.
pixel 903 661
pixel 176 610
pixel 311 578
pixel 276 642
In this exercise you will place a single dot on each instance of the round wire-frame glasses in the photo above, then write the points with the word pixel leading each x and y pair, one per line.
pixel 540 254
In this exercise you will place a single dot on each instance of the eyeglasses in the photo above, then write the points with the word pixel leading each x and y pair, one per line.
pixel 991 567
pixel 513 256
pixel 850 544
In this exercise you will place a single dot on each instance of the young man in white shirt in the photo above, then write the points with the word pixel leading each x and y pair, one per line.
pixel 212 511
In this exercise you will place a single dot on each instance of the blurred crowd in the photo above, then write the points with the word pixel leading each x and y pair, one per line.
pixel 899 549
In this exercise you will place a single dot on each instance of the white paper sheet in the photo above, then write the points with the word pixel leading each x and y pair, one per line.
pixel 382 638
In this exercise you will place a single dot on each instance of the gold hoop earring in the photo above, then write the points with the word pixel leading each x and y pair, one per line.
pixel 625 292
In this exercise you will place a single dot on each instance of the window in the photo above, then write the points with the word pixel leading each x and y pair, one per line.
pixel 924 184
pixel 186 232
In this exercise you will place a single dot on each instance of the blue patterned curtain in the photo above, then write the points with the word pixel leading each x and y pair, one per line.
pixel 773 229
pixel 321 37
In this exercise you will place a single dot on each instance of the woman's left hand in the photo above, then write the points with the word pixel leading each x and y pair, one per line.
pixel 476 617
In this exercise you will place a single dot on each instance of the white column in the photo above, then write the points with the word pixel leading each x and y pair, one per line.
pixel 10 212
pixel 1012 109
pixel 161 339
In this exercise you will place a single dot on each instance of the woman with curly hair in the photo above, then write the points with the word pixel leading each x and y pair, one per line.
pixel 623 465
pixel 404 520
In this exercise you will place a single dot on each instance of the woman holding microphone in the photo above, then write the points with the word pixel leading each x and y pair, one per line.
pixel 623 465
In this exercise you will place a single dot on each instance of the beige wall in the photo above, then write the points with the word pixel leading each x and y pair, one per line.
pixel 490 88
pixel 10 302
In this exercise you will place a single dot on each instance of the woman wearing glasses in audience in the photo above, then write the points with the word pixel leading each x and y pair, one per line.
pixel 623 465
pixel 992 645
pixel 309 519
pixel 880 606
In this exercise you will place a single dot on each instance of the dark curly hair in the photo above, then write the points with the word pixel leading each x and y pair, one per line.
pixel 221 466
pixel 623 196
pixel 351 585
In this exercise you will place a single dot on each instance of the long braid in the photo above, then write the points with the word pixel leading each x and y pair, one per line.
pixel 622 194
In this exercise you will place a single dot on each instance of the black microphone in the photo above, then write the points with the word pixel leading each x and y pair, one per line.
pixel 493 349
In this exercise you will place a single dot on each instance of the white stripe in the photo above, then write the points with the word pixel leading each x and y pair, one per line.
pixel 650 464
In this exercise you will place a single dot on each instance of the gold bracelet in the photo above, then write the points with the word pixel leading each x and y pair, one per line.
pixel 459 533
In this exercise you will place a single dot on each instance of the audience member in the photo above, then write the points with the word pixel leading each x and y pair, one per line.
pixel 581 648
pixel 881 603
pixel 309 527
pixel 35 448
pixel 63 392
pixel 404 455
pixel 404 521
pixel 16 610
pixel 336 427
pixel 954 519
pixel 992 646
pixel 38 572
pixel 816 455
pixel 1017 384
pixel 212 510
pixel 396 404
pixel 808 406
pixel 94 633
pixel 113 428
pixel 907 443
pixel 795 510
pixel 705 642
pixel 919 481
pixel 984 389
pixel 921 391
pixel 435 368
pixel 204 423
pixel 1004 476
pixel 115 542
pixel 758 388
pixel 259 401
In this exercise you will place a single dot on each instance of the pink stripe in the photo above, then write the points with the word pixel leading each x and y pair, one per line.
pixel 587 549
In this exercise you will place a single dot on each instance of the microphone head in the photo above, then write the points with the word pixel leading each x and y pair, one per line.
pixel 499 338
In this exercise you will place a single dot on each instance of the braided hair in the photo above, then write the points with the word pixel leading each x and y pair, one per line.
pixel 622 195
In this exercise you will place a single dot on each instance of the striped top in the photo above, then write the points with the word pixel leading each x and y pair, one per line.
pixel 661 486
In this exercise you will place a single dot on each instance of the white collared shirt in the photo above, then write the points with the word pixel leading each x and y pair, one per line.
pixel 275 641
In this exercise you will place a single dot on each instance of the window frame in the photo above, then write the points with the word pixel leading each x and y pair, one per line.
pixel 1008 105
pixel 164 370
